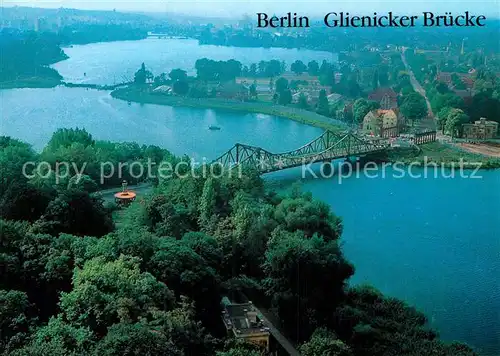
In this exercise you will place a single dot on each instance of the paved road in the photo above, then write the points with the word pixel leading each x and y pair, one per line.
pixel 416 85
pixel 280 338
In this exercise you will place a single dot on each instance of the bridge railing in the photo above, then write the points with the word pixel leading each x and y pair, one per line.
pixel 328 146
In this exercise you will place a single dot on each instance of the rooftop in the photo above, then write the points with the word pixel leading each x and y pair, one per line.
pixel 243 319
pixel 379 93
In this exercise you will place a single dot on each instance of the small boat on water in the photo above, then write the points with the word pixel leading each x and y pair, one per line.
pixel 214 128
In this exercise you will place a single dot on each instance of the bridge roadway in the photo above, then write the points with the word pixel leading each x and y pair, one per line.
pixel 327 147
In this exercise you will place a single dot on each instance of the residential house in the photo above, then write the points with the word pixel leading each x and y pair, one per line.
pixel 334 98
pixel 481 129
pixel 447 78
pixel 383 123
pixel 163 89
pixel 386 97
pixel 296 97
pixel 337 76
pixel 261 84
pixel 244 323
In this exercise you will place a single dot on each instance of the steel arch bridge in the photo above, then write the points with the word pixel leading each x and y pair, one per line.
pixel 327 147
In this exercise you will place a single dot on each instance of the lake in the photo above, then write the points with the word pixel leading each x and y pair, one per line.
pixel 116 62
pixel 433 242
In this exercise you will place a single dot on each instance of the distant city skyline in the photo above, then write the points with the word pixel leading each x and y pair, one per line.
pixel 237 8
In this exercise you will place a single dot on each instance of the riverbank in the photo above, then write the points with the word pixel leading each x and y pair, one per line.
pixel 139 95
pixel 447 155
pixel 95 86
pixel 30 82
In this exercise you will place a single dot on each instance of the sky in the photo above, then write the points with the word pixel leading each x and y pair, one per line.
pixel 233 8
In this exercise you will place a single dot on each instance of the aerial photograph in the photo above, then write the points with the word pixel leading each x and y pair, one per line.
pixel 235 178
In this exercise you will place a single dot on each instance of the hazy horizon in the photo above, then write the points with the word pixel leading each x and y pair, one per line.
pixel 237 8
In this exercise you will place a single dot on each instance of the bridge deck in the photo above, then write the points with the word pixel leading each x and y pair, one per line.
pixel 327 147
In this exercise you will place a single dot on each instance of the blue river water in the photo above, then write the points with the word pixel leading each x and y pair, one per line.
pixel 433 242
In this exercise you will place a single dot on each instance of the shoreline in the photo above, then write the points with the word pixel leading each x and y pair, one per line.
pixel 31 83
pixel 436 151
pixel 131 94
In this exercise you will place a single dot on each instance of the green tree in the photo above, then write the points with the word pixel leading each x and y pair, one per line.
pixel 205 246
pixel 160 79
pixel 207 217
pixel 39 265
pixel 239 348
pixel 456 118
pixel 253 70
pixel 136 339
pixel 442 117
pixel 177 75
pixel 303 102
pixel 285 97
pixel 325 343
pixel 308 215
pixel 313 68
pixel 142 76
pixel 58 338
pixel 323 105
pixel 75 212
pixel 298 67
pixel 181 87
pixel 84 183
pixel 441 101
pixel 13 155
pixel 361 107
pixel 484 105
pixel 15 320
pixel 253 91
pixel 23 201
pixel 105 293
pixel 281 85
pixel 414 107
pixel 187 273
pixel 305 277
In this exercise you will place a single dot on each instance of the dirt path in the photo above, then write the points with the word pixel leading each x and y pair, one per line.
pixel 487 149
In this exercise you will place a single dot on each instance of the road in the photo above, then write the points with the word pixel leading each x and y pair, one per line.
pixel 416 85
pixel 280 338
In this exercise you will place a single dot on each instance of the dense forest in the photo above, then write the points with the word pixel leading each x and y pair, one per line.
pixel 25 56
pixel 28 54
pixel 78 277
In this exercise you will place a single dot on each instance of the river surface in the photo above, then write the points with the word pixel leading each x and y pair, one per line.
pixel 116 62
pixel 433 242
